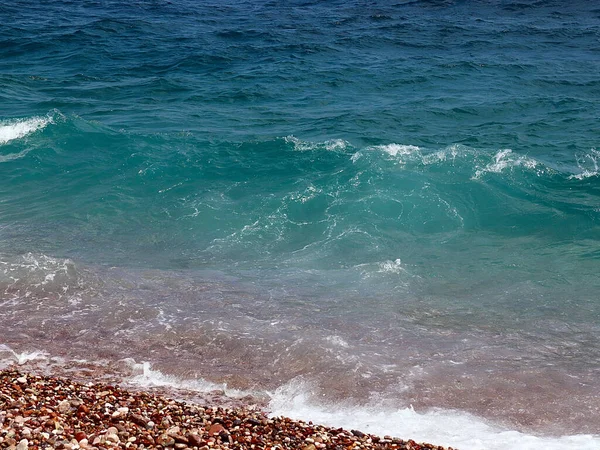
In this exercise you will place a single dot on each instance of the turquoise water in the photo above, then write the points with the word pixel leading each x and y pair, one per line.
pixel 396 196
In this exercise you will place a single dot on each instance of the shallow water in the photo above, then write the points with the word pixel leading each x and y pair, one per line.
pixel 358 205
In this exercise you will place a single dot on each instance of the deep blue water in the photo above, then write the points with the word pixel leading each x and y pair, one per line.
pixel 399 183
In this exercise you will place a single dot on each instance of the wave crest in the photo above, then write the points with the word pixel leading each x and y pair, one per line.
pixel 505 159
pixel 19 128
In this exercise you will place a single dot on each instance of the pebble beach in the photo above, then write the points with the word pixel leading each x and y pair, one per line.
pixel 379 216
pixel 45 412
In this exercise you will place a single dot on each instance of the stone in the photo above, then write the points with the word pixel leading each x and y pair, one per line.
pixel 179 438
pixel 120 412
pixel 138 420
pixel 64 406
pixel 217 428
pixel 80 435
pixel 194 440
pixel 111 437
pixel 173 430
pixel 165 440
pixel 147 440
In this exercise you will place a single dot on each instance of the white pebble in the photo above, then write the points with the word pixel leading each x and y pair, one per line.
pixel 113 438
pixel 64 406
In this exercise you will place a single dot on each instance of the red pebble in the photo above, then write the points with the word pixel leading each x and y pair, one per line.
pixel 80 435
pixel 217 428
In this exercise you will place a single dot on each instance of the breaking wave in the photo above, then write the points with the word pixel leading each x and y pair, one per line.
pixel 19 128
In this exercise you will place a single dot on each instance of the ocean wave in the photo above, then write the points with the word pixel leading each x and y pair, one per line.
pixel 19 128
pixel 300 399
pixel 505 159
pixel 442 427
pixel 407 153
pixel 399 149
pixel 588 163
pixel 478 162
pixel 329 145
pixel 8 356
pixel 145 376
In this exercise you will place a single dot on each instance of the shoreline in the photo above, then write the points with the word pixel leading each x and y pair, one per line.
pixel 43 412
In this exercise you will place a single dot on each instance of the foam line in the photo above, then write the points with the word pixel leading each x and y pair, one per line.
pixel 440 427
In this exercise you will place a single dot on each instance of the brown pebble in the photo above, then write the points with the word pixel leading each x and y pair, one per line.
pixel 138 420
pixel 80 435
pixel 194 440
pixel 217 428
pixel 165 440
pixel 179 438
pixel 42 412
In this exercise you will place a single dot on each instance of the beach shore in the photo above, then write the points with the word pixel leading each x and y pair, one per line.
pixel 45 412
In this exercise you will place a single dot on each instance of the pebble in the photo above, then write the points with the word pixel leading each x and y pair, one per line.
pixel 80 435
pixel 64 406
pixel 61 414
pixel 165 440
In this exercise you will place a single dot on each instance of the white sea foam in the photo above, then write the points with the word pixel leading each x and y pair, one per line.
pixel 337 341
pixel 588 163
pixel 398 149
pixel 297 400
pixel 37 270
pixel 329 145
pixel 16 129
pixel 392 266
pixel 441 427
pixel 504 159
pixel 583 175
pixel 12 156
pixel 145 376
pixel 9 356
pixel 451 152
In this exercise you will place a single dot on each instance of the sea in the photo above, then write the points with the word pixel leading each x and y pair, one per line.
pixel 377 214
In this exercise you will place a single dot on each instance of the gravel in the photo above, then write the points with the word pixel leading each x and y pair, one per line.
pixel 42 412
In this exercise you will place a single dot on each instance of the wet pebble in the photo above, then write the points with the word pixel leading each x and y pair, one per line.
pixel 57 413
